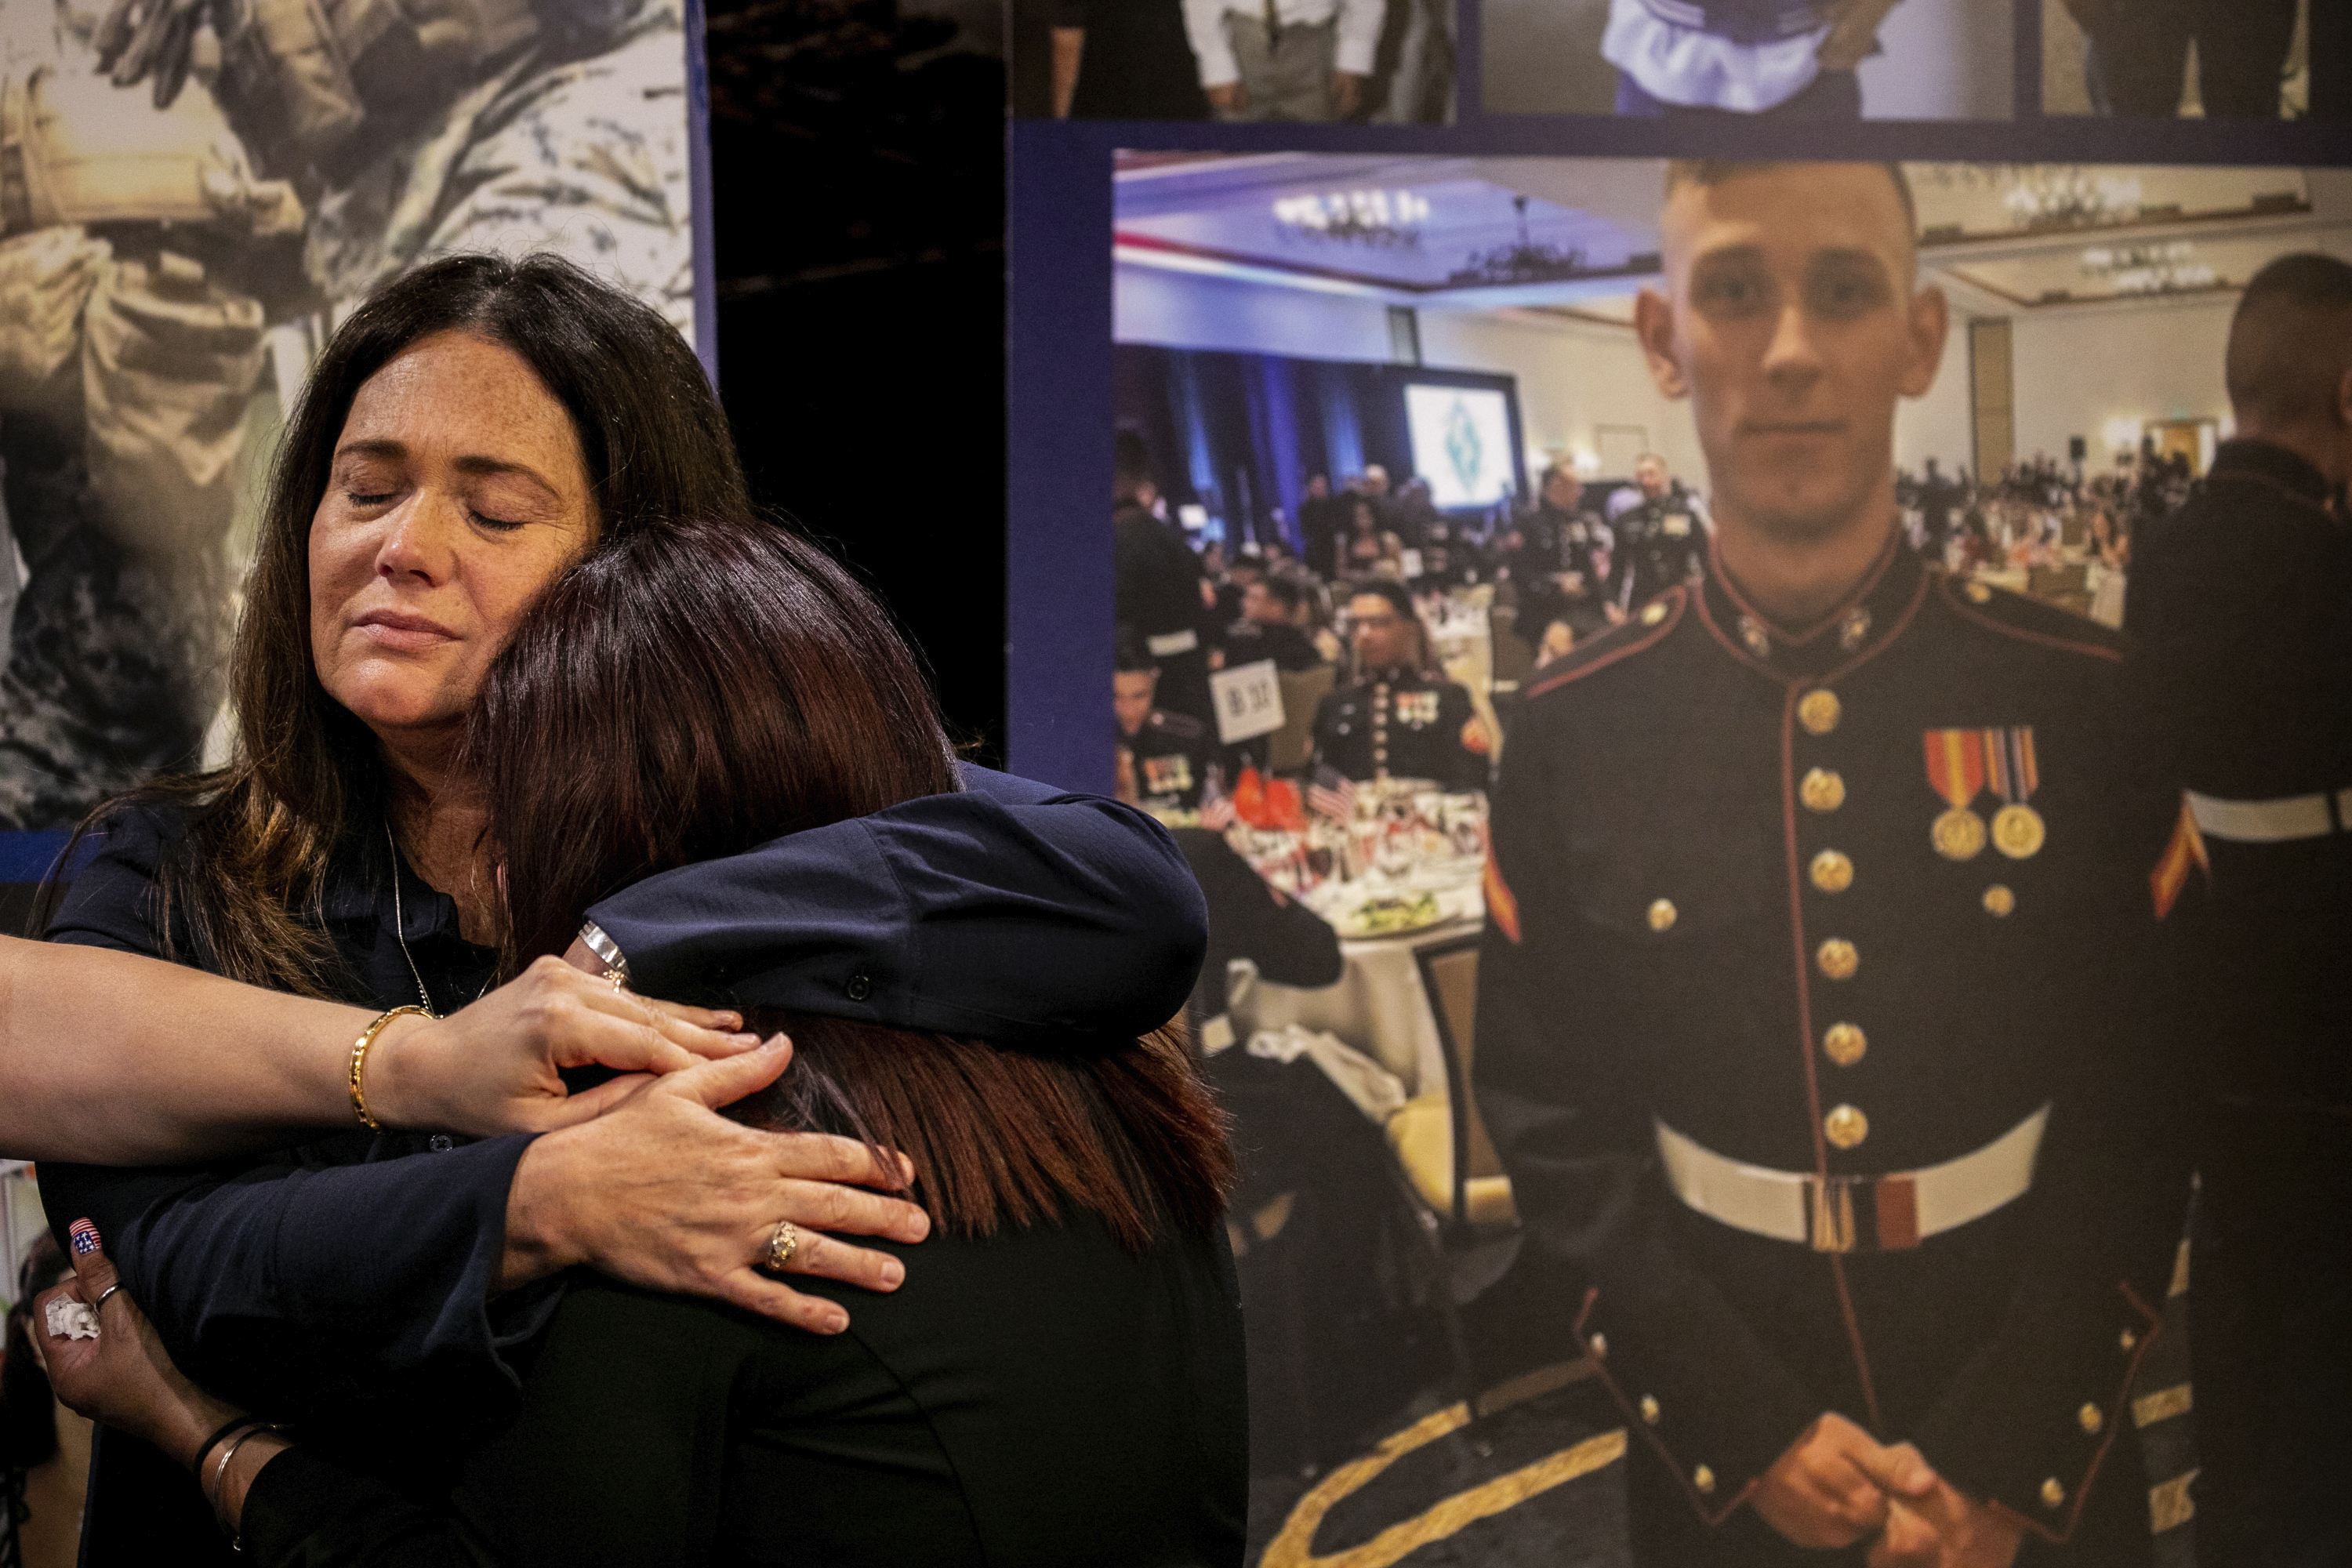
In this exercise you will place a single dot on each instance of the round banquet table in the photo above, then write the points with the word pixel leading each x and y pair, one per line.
pixel 1379 1005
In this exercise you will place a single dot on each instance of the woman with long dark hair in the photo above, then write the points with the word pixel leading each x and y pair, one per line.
pixel 475 429
pixel 1062 1383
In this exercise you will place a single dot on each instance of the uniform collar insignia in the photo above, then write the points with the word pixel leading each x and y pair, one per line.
pixel 1845 633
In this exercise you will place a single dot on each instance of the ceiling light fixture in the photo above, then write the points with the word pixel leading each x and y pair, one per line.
pixel 1384 220
pixel 2158 267
pixel 1524 262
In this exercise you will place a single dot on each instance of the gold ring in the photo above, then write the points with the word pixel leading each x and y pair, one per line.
pixel 783 1243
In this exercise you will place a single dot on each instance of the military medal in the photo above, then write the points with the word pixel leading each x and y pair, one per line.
pixel 1168 775
pixel 2017 828
pixel 1955 769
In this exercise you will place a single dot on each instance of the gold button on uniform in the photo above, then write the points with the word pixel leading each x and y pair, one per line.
pixel 1821 790
pixel 1832 872
pixel 1662 915
pixel 2052 1494
pixel 1818 712
pixel 1600 1343
pixel 1704 1480
pixel 1649 1409
pixel 1999 900
pixel 2129 1342
pixel 1978 594
pixel 2092 1419
pixel 1652 612
pixel 1845 1043
pixel 1845 1127
pixel 1838 958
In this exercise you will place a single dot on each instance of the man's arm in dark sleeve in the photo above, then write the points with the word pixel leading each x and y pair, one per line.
pixel 1010 911
pixel 1290 943
pixel 296 1288
pixel 1469 764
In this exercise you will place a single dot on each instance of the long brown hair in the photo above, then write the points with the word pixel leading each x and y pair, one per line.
pixel 696 690
pixel 305 782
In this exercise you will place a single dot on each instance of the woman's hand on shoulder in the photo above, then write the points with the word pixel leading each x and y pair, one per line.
pixel 663 1191
pixel 495 1066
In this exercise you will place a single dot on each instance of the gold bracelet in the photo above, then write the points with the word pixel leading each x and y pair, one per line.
pixel 358 1063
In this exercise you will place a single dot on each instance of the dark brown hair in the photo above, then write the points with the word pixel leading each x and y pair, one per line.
pixel 696 690
pixel 306 779
pixel 2290 343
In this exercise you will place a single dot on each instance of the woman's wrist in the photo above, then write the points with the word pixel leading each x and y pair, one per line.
pixel 399 1081
pixel 227 1494
pixel 192 1419
pixel 539 1240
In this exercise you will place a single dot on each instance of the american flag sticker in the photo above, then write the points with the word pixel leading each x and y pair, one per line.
pixel 85 1237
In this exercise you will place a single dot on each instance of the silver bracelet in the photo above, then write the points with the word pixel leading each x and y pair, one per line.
pixel 216 1493
pixel 607 950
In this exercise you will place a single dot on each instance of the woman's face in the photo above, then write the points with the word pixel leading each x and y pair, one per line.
pixel 458 492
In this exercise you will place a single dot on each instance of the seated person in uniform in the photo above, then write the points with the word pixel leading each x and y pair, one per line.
pixel 1793 58
pixel 1268 627
pixel 1063 1380
pixel 1163 757
pixel 1399 717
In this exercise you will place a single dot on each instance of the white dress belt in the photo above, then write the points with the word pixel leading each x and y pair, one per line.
pixel 1850 1214
pixel 1168 644
pixel 2277 821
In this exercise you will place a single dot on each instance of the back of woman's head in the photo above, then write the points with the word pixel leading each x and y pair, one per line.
pixel 688 692
pixel 695 690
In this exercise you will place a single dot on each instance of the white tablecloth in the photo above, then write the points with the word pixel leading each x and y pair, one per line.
pixel 1379 1005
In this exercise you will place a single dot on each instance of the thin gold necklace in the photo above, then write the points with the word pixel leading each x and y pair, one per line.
pixel 400 922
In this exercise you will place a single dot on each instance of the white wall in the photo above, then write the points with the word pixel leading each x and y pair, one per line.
pixel 1937 426
pixel 2077 369
pixel 1190 310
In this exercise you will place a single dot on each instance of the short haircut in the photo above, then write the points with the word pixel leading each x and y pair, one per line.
pixel 1128 654
pixel 1282 590
pixel 1657 458
pixel 1392 591
pixel 1708 172
pixel 1556 471
pixel 2291 341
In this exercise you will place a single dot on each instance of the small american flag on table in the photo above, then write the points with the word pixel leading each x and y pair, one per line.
pixel 1331 794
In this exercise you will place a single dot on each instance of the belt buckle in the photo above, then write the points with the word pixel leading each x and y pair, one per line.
pixel 1831 1213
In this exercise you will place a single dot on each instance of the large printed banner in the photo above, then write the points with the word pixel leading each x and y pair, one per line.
pixel 1720 986
pixel 194 197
